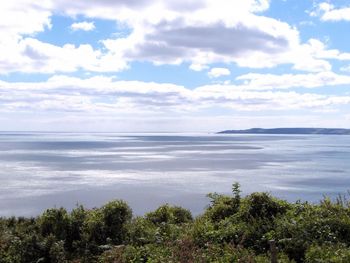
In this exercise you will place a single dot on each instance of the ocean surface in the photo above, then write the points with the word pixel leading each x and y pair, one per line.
pixel 43 170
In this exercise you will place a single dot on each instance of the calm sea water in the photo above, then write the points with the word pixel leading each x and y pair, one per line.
pixel 41 170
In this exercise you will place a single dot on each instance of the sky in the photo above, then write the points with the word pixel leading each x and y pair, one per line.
pixel 173 65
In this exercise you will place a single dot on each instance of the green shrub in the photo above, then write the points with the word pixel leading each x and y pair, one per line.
pixel 142 231
pixel 116 215
pixel 221 207
pixel 262 206
pixel 114 255
pixel 232 229
pixel 74 242
pixel 336 253
pixel 94 228
pixel 308 224
pixel 203 231
pixel 54 222
pixel 167 214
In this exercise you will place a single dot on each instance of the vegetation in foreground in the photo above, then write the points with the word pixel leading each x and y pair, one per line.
pixel 231 229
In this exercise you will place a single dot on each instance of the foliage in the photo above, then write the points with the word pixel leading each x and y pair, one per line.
pixel 167 214
pixel 116 215
pixel 337 253
pixel 231 229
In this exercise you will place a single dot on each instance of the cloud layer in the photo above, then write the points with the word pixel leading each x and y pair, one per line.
pixel 162 32
pixel 252 63
pixel 106 95
pixel 329 12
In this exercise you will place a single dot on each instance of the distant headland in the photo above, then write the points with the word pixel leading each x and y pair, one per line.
pixel 321 131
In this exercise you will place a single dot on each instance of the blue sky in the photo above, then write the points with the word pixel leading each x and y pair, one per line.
pixel 174 66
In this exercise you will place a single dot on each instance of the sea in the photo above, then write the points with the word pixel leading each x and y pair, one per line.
pixel 43 170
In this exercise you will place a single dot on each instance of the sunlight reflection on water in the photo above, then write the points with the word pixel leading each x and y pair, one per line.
pixel 40 170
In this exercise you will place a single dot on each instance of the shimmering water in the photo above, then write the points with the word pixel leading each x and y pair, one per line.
pixel 41 170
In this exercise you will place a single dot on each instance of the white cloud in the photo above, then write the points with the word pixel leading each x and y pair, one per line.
pixel 108 96
pixel 200 33
pixel 121 9
pixel 163 32
pixel 345 68
pixel 32 56
pixel 198 67
pixel 103 103
pixel 85 26
pixel 204 37
pixel 319 50
pixel 24 17
pixel 329 12
pixel 255 81
pixel 220 31
pixel 219 72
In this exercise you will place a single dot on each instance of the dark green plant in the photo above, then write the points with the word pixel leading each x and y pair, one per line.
pixel 54 222
pixel 169 215
pixel 141 232
pixel 232 229
pixel 336 253
pixel 116 215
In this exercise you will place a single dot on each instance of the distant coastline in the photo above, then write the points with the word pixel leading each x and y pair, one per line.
pixel 320 131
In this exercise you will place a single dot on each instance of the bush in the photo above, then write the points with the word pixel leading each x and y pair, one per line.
pixel 167 214
pixel 223 206
pixel 232 229
pixel 337 253
pixel 262 206
pixel 74 239
pixel 309 224
pixel 142 232
pixel 94 228
pixel 116 215
pixel 54 222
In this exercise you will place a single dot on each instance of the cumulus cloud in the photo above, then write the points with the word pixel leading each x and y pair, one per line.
pixel 24 17
pixel 204 43
pixel 102 102
pixel 345 68
pixel 219 72
pixel 30 55
pixel 329 12
pixel 162 32
pixel 270 81
pixel 84 26
pixel 107 9
pixel 198 33
pixel 109 96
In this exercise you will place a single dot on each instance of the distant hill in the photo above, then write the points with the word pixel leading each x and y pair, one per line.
pixel 324 131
